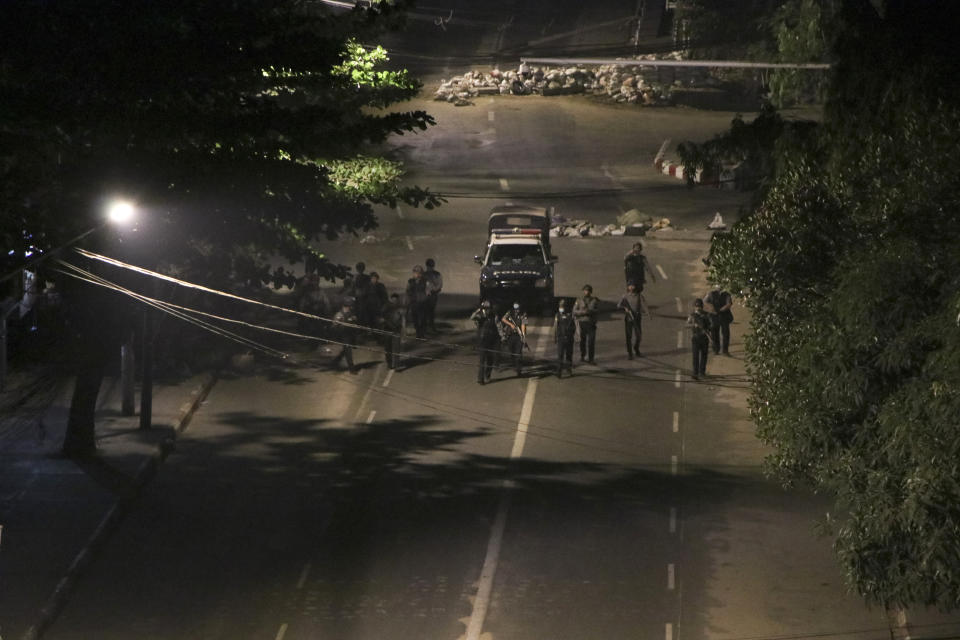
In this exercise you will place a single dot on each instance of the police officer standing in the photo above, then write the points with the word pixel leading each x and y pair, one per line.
pixel 636 267
pixel 488 340
pixel 717 304
pixel 394 322
pixel 514 324
pixel 564 330
pixel 634 306
pixel 434 286
pixel 345 321
pixel 699 323
pixel 417 294
pixel 585 313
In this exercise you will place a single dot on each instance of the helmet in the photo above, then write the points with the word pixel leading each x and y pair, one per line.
pixel 360 267
pixel 417 268
pixel 348 301
pixel 516 305
pixel 430 263
pixel 587 287
pixel 485 304
pixel 631 284
pixel 374 274
pixel 561 309
pixel 698 303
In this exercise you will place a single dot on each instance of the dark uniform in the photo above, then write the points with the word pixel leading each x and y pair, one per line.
pixel 375 300
pixel 634 308
pixel 417 300
pixel 699 323
pixel 514 325
pixel 635 267
pixel 434 286
pixel 718 303
pixel 585 312
pixel 488 340
pixel 346 335
pixel 564 331
pixel 394 323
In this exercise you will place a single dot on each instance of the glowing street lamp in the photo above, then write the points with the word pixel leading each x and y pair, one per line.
pixel 121 211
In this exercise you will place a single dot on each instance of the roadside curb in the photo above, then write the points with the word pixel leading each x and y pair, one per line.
pixel 145 472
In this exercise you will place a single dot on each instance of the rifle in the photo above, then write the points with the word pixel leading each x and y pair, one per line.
pixel 523 337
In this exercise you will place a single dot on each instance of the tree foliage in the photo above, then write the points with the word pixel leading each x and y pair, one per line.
pixel 238 128
pixel 850 269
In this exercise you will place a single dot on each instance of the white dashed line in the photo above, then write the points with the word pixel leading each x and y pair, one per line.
pixel 409 243
pixel 676 421
pixel 386 381
pixel 668 633
pixel 673 519
pixel 504 185
pixel 399 211
pixel 680 339
pixel 282 631
pixel 676 380
pixel 490 116
pixel 663 274
pixel 679 305
pixel 674 465
pixel 370 417
pixel 303 576
pixel 671 577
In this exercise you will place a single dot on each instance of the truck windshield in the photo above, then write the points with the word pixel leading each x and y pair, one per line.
pixel 515 254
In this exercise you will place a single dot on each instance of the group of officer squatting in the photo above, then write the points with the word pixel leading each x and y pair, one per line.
pixel 496 331
pixel 365 304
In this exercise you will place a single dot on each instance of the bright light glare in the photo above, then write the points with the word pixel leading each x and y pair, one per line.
pixel 120 211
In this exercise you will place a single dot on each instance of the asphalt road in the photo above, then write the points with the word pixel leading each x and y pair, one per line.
pixel 626 502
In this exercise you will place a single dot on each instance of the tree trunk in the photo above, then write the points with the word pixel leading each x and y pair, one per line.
pixel 80 439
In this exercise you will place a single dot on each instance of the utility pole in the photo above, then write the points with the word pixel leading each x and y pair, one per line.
pixel 146 358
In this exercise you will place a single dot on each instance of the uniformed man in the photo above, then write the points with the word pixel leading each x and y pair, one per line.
pixel 564 331
pixel 488 340
pixel 417 294
pixel 634 307
pixel 434 286
pixel 585 312
pixel 514 324
pixel 699 323
pixel 394 322
pixel 636 267
pixel 718 303
pixel 345 321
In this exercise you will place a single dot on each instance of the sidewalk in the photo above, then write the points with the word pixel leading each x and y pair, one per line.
pixel 54 512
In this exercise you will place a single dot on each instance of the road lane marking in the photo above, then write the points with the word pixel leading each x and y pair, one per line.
pixel 386 381
pixel 674 463
pixel 679 305
pixel 399 211
pixel 370 417
pixel 303 576
pixel 676 421
pixel 663 274
pixel 504 185
pixel 282 631
pixel 485 585
pixel 676 379
pixel 673 519
pixel 668 633
pixel 680 339
pixel 606 172
pixel 409 243
pixel 490 116
pixel 671 577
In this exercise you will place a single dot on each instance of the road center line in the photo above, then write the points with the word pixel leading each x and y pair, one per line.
pixel 282 631
pixel 676 421
pixel 409 243
pixel 671 577
pixel 663 274
pixel 504 185
pixel 673 519
pixel 679 305
pixel 490 116
pixel 668 632
pixel 370 417
pixel 680 339
pixel 303 576
pixel 399 211
pixel 676 379
pixel 386 381
pixel 674 464
pixel 485 585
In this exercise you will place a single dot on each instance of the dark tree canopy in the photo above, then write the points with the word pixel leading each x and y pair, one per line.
pixel 849 267
pixel 237 127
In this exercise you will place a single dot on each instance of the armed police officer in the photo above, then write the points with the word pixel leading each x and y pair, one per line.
pixel 514 324
pixel 636 267
pixel 634 307
pixel 488 339
pixel 718 303
pixel 564 331
pixel 699 324
pixel 585 312
pixel 345 326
